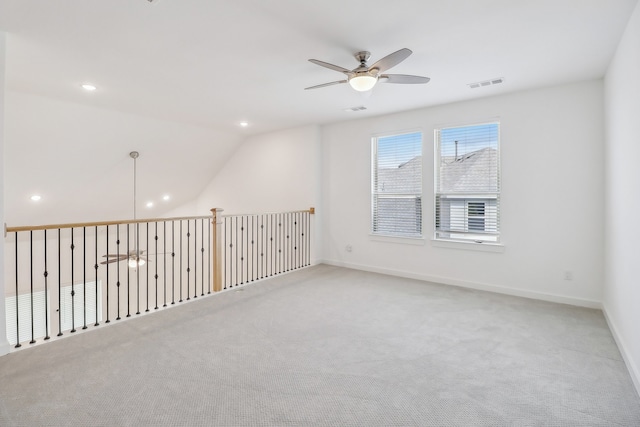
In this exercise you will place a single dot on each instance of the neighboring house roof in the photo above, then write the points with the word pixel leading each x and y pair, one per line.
pixel 406 178
pixel 474 172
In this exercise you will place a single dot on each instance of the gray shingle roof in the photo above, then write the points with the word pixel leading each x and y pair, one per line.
pixel 476 171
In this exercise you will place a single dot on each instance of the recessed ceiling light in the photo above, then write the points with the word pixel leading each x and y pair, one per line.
pixel 36 197
pixel 244 124
pixel 149 204
pixel 166 197
pixel 88 87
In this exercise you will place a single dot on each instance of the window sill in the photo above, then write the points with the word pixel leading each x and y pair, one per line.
pixel 471 246
pixel 419 241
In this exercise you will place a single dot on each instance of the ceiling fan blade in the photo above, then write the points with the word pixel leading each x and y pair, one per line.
pixel 121 256
pixel 391 60
pixel 403 79
pixel 326 84
pixel 330 66
pixel 111 261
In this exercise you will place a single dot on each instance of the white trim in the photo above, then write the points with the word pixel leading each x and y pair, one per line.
pixel 470 246
pixel 561 299
pixel 634 372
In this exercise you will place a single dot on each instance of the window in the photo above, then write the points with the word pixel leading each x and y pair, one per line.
pixel 396 184
pixel 468 183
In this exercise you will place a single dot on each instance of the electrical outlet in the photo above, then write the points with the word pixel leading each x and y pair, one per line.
pixel 568 275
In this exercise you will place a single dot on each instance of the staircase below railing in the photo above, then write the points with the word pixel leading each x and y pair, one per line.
pixel 66 277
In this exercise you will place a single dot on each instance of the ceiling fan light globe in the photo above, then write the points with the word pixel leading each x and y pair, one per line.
pixel 133 263
pixel 363 82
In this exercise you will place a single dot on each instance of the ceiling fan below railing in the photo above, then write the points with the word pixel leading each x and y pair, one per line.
pixel 135 258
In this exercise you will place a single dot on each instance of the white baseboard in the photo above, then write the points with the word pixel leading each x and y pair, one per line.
pixel 628 360
pixel 471 285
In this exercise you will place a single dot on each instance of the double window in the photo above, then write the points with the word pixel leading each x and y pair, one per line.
pixel 467 186
pixel 396 185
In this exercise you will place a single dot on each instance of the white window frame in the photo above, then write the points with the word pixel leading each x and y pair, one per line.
pixel 464 235
pixel 376 194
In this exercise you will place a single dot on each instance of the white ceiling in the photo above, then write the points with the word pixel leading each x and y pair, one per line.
pixel 214 63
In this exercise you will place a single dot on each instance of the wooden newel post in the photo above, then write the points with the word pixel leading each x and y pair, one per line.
pixel 216 249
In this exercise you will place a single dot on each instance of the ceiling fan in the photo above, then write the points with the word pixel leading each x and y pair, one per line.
pixel 365 77
pixel 135 257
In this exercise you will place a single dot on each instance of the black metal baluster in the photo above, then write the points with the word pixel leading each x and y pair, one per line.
pixel 195 259
pixel 224 251
pixel 128 276
pixel 242 250
pixel 294 242
pixel 253 246
pixel 229 273
pixel 147 250
pixel 272 255
pixel 96 283
pixel 137 264
pixel 309 238
pixel 118 269
pixel 202 257
pixel 209 257
pixel 84 277
pixel 46 290
pixel 281 243
pixel 256 243
pixel 289 242
pixel 173 263
pixel 73 291
pixel 188 261
pixel 156 276
pixel 18 345
pixel 106 266
pixel 180 261
pixel 304 241
pixel 59 284
pixel 237 257
pixel 164 261
pixel 33 339
pixel 261 245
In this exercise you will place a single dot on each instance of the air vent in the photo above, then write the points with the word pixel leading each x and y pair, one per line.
pixel 360 108
pixel 490 82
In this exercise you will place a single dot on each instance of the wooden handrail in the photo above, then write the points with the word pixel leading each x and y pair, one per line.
pixel 97 224
pixel 312 211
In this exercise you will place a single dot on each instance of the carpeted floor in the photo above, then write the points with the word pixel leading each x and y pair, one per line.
pixel 328 346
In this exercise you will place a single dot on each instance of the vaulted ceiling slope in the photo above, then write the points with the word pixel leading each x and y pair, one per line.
pixel 175 77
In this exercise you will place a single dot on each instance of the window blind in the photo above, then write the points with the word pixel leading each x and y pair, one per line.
pixel 468 183
pixel 397 185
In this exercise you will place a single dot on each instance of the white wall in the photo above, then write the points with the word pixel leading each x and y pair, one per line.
pixel 551 201
pixel 274 172
pixel 4 344
pixel 622 176
pixel 268 173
